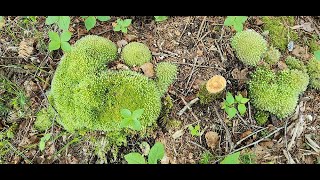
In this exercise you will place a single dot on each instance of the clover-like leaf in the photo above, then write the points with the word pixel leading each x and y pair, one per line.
pixel 136 125
pixel 156 153
pixel 231 159
pixel 137 113
pixel 231 112
pixel 64 22
pixel 90 22
pixel 229 98
pixel 103 18
pixel 244 100
pixel 51 19
pixel 126 113
pixel 238 26
pixel 229 21
pixel 242 109
pixel 134 158
pixel 65 36
pixel 65 46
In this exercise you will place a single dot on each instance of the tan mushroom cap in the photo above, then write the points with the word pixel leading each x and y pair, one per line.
pixel 216 84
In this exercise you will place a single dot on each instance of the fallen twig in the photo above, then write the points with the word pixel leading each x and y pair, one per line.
pixel 187 106
pixel 228 134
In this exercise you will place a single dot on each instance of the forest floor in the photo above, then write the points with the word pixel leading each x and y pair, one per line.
pixel 200 47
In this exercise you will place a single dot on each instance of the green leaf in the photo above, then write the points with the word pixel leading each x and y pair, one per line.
pixel 126 113
pixel 51 19
pixel 241 19
pixel 65 46
pixel 2 22
pixel 54 45
pixel 156 153
pixel 229 21
pixel 136 125
pixel 231 112
pixel 125 122
pixel 117 28
pixel 124 30
pixel 223 105
pixel 43 141
pixel 160 18
pixel 84 17
pixel 64 22
pixel 103 18
pixel 65 36
pixel 54 36
pixel 137 113
pixel 10 134
pixel 231 159
pixel 238 98
pixel 238 26
pixel 197 127
pixel 229 98
pixel 127 22
pixel 190 127
pixel 90 22
pixel 317 55
pixel 242 109
pixel 244 100
pixel 134 158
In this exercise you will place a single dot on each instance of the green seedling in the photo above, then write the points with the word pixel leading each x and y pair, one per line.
pixel 236 22
pixel 90 21
pixel 156 153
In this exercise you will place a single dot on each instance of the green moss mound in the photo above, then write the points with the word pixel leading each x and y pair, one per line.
pixel 44 119
pixel 314 73
pixel 294 63
pixel 166 73
pixel 279 30
pixel 88 96
pixel 249 46
pixel 136 53
pixel 261 117
pixel 277 93
pixel 272 56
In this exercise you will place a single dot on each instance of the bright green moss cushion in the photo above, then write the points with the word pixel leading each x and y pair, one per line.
pixel 136 53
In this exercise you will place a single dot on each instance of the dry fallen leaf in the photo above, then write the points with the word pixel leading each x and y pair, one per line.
pixel 282 65
pixel 199 53
pixel 147 69
pixel 178 134
pixel 240 75
pixel 122 66
pixel 121 43
pixel 130 37
pixel 301 52
pixel 26 48
pixel 266 144
pixel 245 134
pixel 212 139
pixel 305 26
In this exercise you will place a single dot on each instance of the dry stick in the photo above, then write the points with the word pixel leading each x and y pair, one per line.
pixel 185 27
pixel 192 71
pixel 184 101
pixel 219 50
pixel 242 119
pixel 256 142
pixel 239 142
pixel 228 134
pixel 197 145
pixel 249 110
pixel 187 106
pixel 201 26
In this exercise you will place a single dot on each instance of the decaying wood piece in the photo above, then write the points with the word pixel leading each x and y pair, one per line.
pixel 212 89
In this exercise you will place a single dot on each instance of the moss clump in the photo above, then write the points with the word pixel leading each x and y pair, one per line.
pixel 314 44
pixel 261 117
pixel 272 56
pixel 294 63
pixel 136 53
pixel 279 29
pixel 277 93
pixel 166 74
pixel 88 96
pixel 314 73
pixel 249 46
pixel 44 119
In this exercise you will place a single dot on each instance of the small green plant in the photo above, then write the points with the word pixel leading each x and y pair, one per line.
pixel 236 22
pixel 122 25
pixel 160 18
pixel 43 141
pixel 57 41
pixel 63 22
pixel 90 21
pixel 317 55
pixel 194 131
pixel 248 158
pixel 131 120
pixel 231 159
pixel 156 153
pixel 206 158
pixel 230 103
